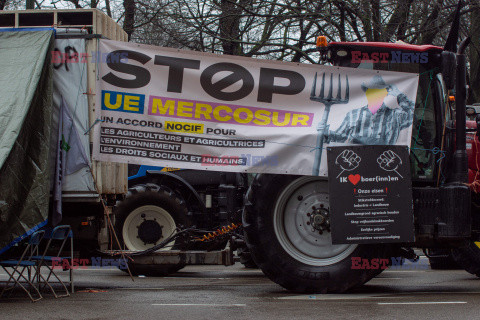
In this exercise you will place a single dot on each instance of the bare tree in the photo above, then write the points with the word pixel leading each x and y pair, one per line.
pixel 3 3
pixel 281 29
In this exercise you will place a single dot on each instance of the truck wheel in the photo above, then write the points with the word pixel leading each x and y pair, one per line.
pixel 286 222
pixel 468 257
pixel 149 214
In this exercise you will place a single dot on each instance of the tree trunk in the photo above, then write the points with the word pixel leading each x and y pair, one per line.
pixel 398 19
pixel 230 27
pixel 376 19
pixel 108 8
pixel 474 57
pixel 129 21
pixel 429 30
pixel 365 15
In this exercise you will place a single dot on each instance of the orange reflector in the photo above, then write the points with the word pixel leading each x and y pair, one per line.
pixel 84 223
pixel 451 98
pixel 322 41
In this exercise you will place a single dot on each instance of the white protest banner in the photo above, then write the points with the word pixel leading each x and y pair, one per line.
pixel 184 109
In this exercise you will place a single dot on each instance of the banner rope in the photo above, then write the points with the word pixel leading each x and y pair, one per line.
pixel 97 121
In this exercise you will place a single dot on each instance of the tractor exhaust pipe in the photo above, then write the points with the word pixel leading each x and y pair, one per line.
pixel 460 157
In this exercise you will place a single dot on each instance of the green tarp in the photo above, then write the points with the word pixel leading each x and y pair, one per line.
pixel 25 132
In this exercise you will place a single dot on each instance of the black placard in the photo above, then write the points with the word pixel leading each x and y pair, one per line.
pixel 370 194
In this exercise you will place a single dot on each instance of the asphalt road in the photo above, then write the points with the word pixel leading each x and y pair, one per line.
pixel 216 292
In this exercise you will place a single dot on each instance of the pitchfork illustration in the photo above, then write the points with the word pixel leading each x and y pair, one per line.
pixel 328 102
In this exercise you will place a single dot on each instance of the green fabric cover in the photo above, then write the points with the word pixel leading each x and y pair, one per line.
pixel 25 131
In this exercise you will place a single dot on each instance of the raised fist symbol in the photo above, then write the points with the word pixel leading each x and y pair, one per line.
pixel 347 160
pixel 389 161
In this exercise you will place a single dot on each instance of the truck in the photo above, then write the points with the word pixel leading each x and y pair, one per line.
pixel 104 200
pixel 169 218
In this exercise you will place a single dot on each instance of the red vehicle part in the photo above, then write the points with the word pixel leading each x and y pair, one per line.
pixel 473 152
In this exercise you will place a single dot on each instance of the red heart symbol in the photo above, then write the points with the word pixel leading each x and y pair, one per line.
pixel 354 178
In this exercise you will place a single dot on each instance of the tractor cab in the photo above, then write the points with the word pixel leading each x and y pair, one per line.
pixel 430 108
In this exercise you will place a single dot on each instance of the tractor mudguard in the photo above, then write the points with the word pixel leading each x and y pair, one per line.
pixel 174 182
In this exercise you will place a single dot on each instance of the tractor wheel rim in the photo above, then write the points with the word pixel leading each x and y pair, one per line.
pixel 297 210
pixel 130 230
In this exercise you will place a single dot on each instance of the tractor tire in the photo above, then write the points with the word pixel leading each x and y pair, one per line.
pixel 246 258
pixel 149 214
pixel 441 259
pixel 468 258
pixel 443 263
pixel 290 253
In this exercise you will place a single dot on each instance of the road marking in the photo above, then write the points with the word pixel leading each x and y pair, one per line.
pixel 197 278
pixel 198 305
pixel 441 292
pixel 425 302
pixel 394 270
pixel 347 296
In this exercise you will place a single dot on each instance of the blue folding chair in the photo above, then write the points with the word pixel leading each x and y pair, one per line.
pixel 19 266
pixel 59 235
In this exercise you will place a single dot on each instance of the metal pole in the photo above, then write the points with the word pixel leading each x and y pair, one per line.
pixel 461 158
pixel 319 145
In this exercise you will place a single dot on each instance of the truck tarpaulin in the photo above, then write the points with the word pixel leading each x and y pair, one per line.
pixel 70 85
pixel 185 109
pixel 26 156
